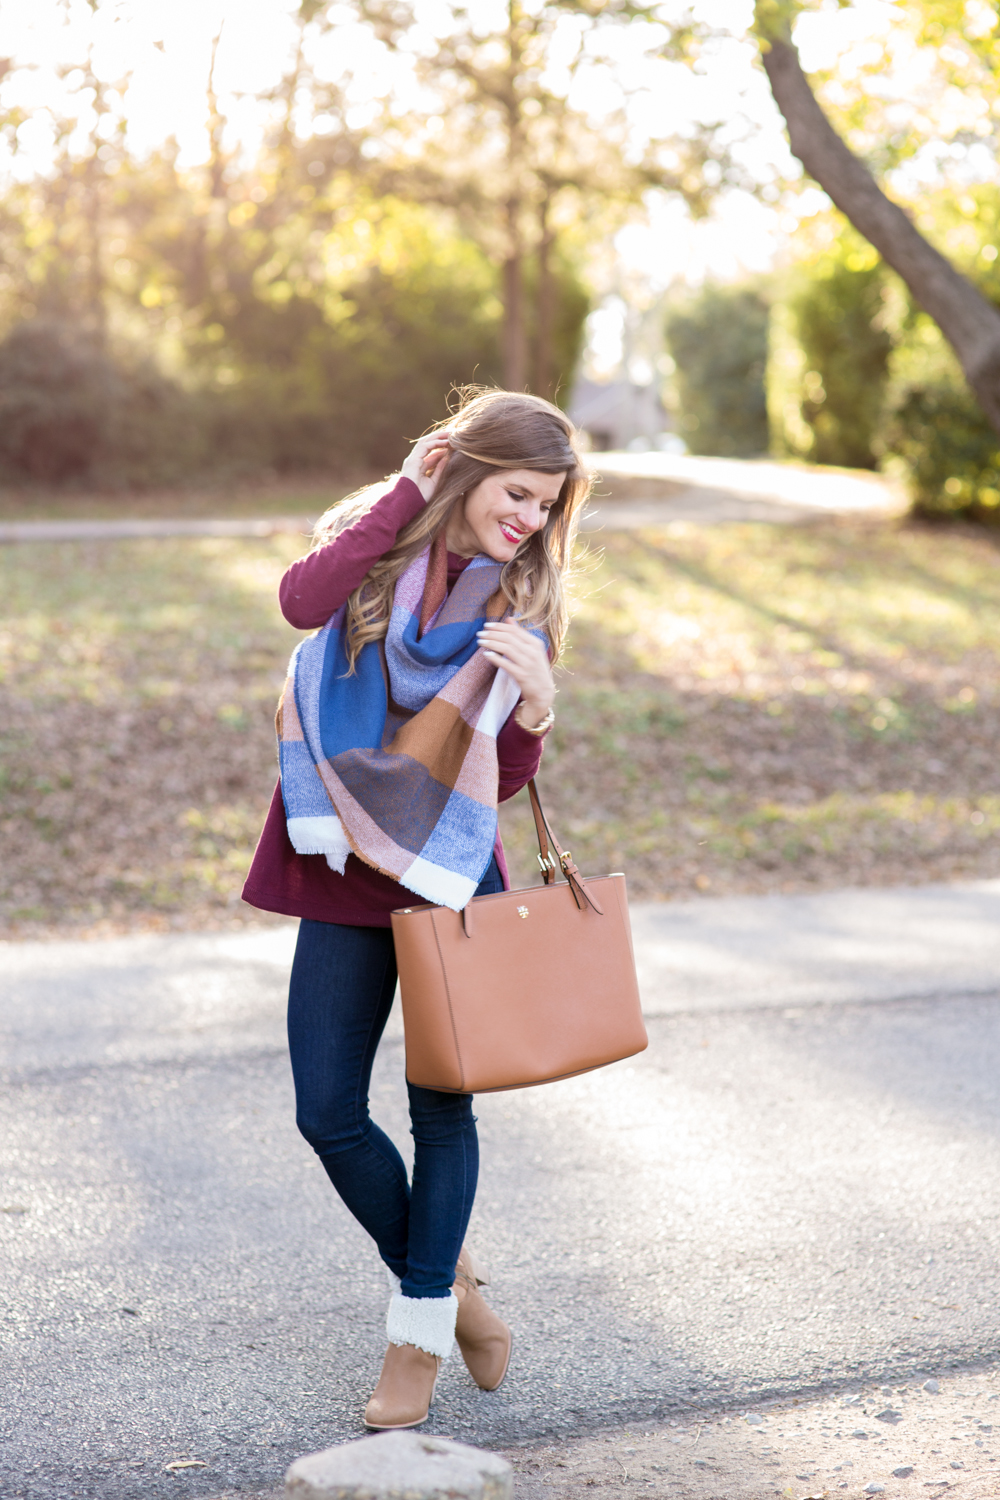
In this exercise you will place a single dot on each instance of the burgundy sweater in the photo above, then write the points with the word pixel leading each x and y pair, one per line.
pixel 303 885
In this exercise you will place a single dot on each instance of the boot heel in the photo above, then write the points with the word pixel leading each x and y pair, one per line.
pixel 474 1266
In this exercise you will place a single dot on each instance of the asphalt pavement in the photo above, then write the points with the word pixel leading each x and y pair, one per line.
pixel 795 1189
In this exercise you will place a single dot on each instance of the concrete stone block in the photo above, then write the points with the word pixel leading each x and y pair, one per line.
pixel 400 1466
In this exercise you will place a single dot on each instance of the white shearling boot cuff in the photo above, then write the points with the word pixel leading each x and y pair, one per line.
pixel 426 1322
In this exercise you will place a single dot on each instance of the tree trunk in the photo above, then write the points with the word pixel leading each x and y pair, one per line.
pixel 544 306
pixel 968 321
pixel 216 125
pixel 95 295
pixel 515 337
pixel 515 342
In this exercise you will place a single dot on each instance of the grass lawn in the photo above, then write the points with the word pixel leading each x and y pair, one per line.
pixel 744 708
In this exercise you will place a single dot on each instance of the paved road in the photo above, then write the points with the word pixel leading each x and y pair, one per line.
pixel 795 1188
pixel 854 946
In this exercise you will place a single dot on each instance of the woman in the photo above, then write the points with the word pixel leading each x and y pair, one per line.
pixel 422 701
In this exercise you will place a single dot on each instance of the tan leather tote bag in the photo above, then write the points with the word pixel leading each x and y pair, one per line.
pixel 522 987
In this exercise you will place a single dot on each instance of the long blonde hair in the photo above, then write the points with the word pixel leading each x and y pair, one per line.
pixel 490 430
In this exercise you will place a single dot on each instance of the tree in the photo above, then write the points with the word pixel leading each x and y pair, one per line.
pixel 514 154
pixel 60 265
pixel 299 316
pixel 969 322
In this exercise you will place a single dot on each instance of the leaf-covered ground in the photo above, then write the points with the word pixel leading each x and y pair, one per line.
pixel 755 708
pixel 243 497
pixel 745 708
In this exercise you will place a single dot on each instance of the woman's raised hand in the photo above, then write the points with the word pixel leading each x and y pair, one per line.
pixel 426 462
pixel 522 655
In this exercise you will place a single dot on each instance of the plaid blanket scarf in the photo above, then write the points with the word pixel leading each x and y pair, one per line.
pixel 398 762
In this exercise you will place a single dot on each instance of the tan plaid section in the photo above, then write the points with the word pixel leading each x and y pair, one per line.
pixel 478 777
pixel 437 738
pixel 497 606
pixel 286 720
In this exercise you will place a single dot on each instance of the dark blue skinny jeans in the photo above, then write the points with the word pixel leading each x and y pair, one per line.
pixel 342 984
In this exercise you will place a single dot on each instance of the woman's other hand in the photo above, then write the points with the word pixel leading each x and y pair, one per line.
pixel 426 462
pixel 524 657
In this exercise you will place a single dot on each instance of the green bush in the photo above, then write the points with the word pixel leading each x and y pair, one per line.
pixel 719 345
pixel 300 338
pixel 859 375
pixel 159 431
pixel 353 389
pixel 58 391
pixel 838 318
pixel 431 323
pixel 335 362
pixel 950 451
pixel 342 394
pixel 936 430
pixel 73 410
pixel 343 365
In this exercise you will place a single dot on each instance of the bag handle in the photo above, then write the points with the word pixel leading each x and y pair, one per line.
pixel 547 863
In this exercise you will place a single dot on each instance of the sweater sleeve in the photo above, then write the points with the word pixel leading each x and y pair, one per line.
pixel 519 755
pixel 319 583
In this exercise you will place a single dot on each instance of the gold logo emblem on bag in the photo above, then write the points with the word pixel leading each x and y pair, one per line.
pixel 522 911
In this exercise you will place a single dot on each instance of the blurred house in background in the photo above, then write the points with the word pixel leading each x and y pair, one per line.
pixel 621 414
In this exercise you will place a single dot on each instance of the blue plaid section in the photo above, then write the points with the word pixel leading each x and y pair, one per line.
pixel 464 829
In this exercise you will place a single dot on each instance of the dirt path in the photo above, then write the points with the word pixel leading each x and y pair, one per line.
pixel 929 1436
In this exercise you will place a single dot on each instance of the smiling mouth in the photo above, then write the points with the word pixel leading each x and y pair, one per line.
pixel 510 533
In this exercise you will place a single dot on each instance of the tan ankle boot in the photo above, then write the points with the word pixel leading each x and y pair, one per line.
pixel 484 1339
pixel 420 1332
pixel 405 1388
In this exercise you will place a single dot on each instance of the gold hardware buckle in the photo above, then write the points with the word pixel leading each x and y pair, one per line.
pixel 566 859
pixel 545 862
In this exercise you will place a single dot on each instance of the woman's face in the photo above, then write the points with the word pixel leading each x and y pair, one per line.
pixel 501 513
